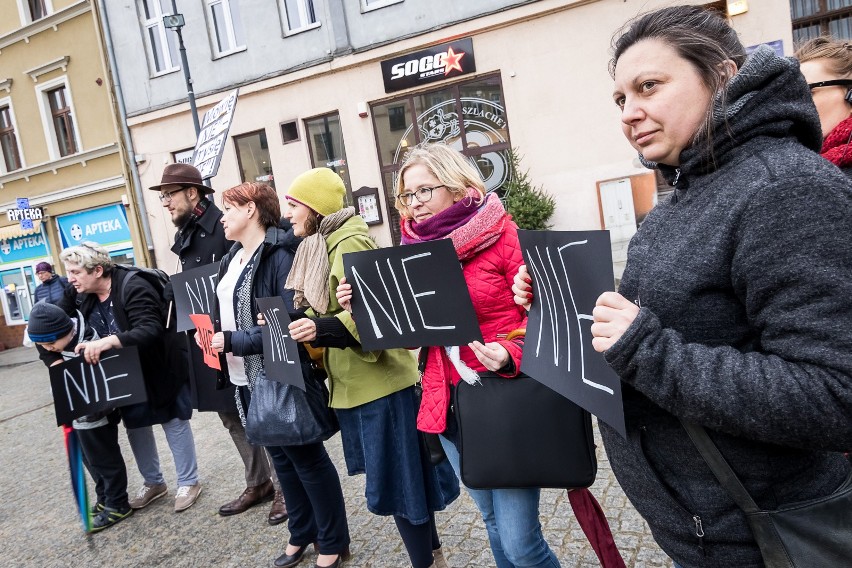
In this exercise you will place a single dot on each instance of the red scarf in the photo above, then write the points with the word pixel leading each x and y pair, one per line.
pixel 480 231
pixel 836 147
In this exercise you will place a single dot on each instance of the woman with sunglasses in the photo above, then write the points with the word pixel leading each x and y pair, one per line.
pixel 827 67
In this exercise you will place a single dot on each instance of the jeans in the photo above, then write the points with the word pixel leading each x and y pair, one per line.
pixel 512 520
pixel 179 436
pixel 311 488
pixel 102 457
pixel 255 458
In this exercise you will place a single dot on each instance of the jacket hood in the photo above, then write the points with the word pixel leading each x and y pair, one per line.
pixel 768 97
pixel 353 226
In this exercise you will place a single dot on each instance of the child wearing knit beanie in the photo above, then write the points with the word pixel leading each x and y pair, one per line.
pixel 56 335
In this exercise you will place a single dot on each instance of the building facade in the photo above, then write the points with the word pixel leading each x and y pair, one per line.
pixel 351 84
pixel 63 177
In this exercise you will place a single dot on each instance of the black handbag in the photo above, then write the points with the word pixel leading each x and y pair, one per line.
pixel 817 532
pixel 516 433
pixel 284 415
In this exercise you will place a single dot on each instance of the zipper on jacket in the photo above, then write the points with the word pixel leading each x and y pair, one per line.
pixel 674 184
pixel 699 532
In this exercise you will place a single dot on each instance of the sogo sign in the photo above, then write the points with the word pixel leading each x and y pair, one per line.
pixel 429 65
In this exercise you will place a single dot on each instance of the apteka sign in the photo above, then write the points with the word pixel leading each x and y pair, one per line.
pixel 432 64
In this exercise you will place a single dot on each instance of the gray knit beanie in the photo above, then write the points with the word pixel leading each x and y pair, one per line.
pixel 48 323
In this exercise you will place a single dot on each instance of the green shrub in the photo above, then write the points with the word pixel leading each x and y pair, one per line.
pixel 530 206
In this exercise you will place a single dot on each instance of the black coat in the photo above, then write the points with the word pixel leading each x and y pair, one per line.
pixel 139 313
pixel 198 243
pixel 202 241
pixel 268 277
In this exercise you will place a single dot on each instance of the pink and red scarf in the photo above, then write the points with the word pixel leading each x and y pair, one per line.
pixel 836 148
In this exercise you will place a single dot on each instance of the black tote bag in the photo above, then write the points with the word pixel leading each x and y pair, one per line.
pixel 516 433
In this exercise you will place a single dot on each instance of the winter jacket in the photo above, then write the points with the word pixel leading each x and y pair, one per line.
pixel 489 276
pixel 138 313
pixel 197 243
pixel 357 377
pixel 52 290
pixel 744 279
pixel 269 274
pixel 202 241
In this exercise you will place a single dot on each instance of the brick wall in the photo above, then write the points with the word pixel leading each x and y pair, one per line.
pixel 10 335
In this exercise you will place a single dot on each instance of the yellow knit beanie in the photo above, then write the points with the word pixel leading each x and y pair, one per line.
pixel 320 189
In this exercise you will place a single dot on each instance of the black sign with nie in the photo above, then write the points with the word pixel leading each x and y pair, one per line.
pixel 432 64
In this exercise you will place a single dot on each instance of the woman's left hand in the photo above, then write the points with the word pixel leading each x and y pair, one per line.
pixel 217 342
pixel 92 350
pixel 613 314
pixel 493 355
pixel 303 330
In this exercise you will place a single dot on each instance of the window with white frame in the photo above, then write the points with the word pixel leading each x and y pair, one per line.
pixel 9 145
pixel 57 114
pixel 162 43
pixel 298 15
pixel 226 25
pixel 367 5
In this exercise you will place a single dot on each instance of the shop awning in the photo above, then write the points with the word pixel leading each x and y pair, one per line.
pixel 14 231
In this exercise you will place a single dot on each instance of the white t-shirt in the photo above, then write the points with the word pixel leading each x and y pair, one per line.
pixel 225 293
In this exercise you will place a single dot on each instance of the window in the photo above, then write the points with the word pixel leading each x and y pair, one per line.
pixel 227 26
pixel 325 141
pixel 62 121
pixel 468 116
pixel 8 142
pixel 367 5
pixel 813 18
pixel 289 132
pixel 253 157
pixel 38 9
pixel 298 15
pixel 162 44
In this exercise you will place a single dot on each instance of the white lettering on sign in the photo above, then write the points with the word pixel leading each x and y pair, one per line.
pixel 373 307
pixel 426 66
pixel 278 334
pixel 89 385
pixel 27 242
pixel 19 214
pixel 200 292
pixel 103 227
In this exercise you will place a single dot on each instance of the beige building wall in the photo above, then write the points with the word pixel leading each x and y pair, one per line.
pixel 552 57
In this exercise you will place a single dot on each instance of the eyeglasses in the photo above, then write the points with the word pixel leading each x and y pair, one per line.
pixel 832 83
pixel 167 197
pixel 423 195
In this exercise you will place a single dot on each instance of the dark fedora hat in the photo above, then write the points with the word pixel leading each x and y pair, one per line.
pixel 182 174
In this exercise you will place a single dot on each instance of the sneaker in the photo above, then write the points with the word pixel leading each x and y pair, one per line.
pixel 148 493
pixel 97 508
pixel 186 496
pixel 109 517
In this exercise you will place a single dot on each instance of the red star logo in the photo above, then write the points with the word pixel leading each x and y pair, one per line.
pixel 452 61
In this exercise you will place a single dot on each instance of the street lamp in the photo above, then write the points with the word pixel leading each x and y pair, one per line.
pixel 175 21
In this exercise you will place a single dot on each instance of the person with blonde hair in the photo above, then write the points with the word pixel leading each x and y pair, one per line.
pixel 126 310
pixel 827 66
pixel 372 392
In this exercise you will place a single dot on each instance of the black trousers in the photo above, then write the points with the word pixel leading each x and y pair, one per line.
pixel 102 457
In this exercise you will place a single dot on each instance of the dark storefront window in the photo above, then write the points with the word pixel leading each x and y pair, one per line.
pixel 325 141
pixel 253 157
pixel 469 116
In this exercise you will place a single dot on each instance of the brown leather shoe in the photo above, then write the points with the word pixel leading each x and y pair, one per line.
pixel 250 497
pixel 278 512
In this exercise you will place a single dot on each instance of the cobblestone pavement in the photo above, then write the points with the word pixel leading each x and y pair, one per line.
pixel 38 526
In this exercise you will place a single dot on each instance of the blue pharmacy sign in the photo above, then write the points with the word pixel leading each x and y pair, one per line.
pixel 28 247
pixel 105 226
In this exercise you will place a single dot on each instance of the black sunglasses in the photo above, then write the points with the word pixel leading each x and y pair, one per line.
pixel 832 83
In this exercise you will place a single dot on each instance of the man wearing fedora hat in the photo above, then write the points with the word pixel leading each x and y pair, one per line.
pixel 200 240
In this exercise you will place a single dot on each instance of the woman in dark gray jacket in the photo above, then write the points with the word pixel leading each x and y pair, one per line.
pixel 734 309
pixel 257 267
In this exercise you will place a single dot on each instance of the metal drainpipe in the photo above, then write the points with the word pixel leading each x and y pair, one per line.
pixel 125 131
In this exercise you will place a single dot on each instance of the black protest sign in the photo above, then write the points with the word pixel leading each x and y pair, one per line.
pixel 195 292
pixel 569 270
pixel 410 296
pixel 280 351
pixel 80 389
